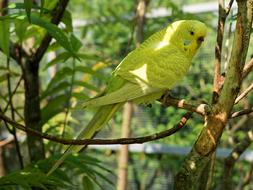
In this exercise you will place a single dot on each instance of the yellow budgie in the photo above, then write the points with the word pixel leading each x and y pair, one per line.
pixel 145 74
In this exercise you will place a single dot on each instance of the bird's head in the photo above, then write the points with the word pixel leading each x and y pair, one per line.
pixel 187 35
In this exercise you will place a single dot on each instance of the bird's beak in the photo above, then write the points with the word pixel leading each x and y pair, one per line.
pixel 200 39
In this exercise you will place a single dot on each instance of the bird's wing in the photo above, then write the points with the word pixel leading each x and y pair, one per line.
pixel 159 67
pixel 129 91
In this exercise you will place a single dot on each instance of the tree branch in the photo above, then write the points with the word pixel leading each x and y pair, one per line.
pixel 247 68
pixel 223 13
pixel 243 94
pixel 202 109
pixel 196 161
pixel 233 157
pixel 137 140
pixel 56 18
pixel 242 112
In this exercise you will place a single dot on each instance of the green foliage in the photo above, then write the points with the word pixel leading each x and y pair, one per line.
pixel 30 178
pixel 4 36
pixel 54 31
pixel 89 168
pixel 28 7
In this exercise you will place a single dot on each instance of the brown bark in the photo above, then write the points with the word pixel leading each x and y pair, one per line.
pixel 30 69
pixel 189 175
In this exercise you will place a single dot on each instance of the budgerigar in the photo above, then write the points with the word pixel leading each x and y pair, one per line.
pixel 145 74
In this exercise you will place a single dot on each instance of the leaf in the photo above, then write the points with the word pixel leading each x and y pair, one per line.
pixel 22 6
pixel 3 77
pixel 77 161
pixel 20 28
pixel 60 75
pixel 29 178
pixel 87 183
pixel 53 91
pixel 54 31
pixel 62 57
pixel 84 69
pixel 80 96
pixel 75 42
pixel 83 168
pixel 42 3
pixel 28 8
pixel 5 36
pixel 54 106
pixel 67 20
pixel 86 85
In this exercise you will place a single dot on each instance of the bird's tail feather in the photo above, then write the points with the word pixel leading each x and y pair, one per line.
pixel 102 116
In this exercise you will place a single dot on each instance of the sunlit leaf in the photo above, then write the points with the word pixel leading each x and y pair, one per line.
pixel 54 31
pixel 87 183
pixel 20 28
pixel 5 36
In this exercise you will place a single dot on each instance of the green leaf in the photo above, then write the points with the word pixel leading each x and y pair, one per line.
pixel 75 163
pixel 5 36
pixel 67 20
pixel 28 8
pixel 80 96
pixel 20 28
pixel 86 85
pixel 60 75
pixel 62 57
pixel 54 31
pixel 75 42
pixel 87 183
pixel 54 106
pixel 84 69
pixel 3 77
pixel 28 178
pixel 42 3
pixel 53 91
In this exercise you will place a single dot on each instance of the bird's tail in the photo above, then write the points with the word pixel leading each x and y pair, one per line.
pixel 102 116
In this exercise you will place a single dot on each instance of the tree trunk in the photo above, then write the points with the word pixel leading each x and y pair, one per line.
pixel 192 169
pixel 32 110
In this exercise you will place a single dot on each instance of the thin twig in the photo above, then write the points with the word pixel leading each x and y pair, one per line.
pixel 137 140
pixel 230 4
pixel 12 94
pixel 218 80
pixel 13 130
pixel 69 99
pixel 243 94
pixel 56 18
pixel 242 112
pixel 233 157
pixel 218 51
pixel 247 68
pixel 202 109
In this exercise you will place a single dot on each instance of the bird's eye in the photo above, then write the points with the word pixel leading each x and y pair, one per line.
pixel 192 33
